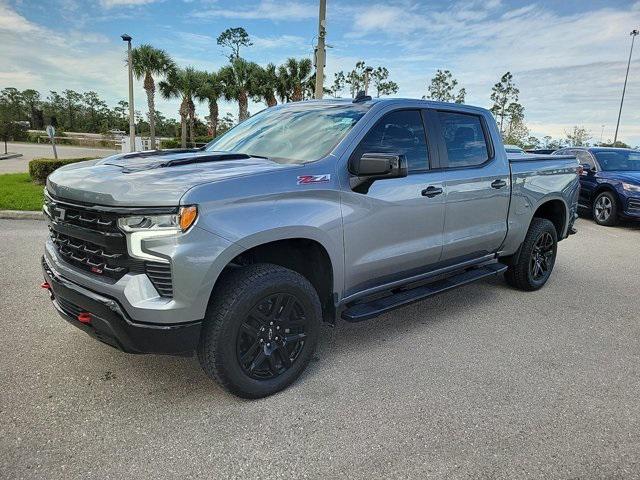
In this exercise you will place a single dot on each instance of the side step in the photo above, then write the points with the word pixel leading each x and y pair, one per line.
pixel 364 311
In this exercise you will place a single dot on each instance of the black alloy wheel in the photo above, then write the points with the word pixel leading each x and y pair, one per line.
pixel 530 268
pixel 272 336
pixel 542 256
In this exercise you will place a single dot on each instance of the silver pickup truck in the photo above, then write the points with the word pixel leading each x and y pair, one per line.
pixel 303 213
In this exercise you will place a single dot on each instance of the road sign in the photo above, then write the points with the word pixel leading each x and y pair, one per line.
pixel 51 131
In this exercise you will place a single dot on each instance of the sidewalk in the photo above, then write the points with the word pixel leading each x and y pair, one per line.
pixel 8 155
pixel 29 151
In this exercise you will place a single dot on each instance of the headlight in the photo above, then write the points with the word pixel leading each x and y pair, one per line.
pixel 630 187
pixel 174 222
pixel 139 228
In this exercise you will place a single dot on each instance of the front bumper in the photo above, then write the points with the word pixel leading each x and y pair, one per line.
pixel 104 319
pixel 632 207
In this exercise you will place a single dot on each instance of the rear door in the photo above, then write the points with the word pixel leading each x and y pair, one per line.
pixel 393 227
pixel 477 186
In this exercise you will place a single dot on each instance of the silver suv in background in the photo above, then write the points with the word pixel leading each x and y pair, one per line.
pixel 303 213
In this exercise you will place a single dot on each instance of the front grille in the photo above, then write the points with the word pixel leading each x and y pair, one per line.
pixel 93 258
pixel 634 205
pixel 91 241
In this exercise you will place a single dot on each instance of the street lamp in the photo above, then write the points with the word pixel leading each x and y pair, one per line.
pixel 132 122
pixel 633 34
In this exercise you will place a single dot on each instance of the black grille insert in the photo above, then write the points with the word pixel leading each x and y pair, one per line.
pixel 160 276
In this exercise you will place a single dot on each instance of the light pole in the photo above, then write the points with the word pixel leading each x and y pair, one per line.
pixel 132 121
pixel 633 34
pixel 321 53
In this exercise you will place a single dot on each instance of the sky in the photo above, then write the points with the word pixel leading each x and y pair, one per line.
pixel 568 58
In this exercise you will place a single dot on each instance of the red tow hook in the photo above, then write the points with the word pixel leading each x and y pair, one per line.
pixel 84 317
pixel 45 285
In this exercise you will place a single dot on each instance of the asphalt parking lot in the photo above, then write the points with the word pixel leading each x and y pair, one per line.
pixel 482 382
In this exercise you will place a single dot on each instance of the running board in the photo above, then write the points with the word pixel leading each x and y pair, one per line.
pixel 364 311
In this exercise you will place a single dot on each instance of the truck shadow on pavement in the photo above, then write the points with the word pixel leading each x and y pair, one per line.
pixel 157 378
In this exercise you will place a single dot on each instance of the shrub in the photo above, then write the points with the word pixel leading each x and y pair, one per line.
pixel 170 144
pixel 40 168
pixel 176 142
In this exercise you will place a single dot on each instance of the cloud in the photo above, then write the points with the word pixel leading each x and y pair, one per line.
pixel 264 10
pixel 566 76
pixel 125 3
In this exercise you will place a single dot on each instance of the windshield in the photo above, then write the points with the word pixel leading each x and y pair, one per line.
pixel 618 160
pixel 292 134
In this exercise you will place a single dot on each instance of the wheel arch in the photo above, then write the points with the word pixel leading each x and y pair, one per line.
pixel 606 187
pixel 305 255
pixel 557 212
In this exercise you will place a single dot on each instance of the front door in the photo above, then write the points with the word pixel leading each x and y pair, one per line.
pixel 477 185
pixel 394 227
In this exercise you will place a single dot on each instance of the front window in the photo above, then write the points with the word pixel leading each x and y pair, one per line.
pixel 618 160
pixel 292 134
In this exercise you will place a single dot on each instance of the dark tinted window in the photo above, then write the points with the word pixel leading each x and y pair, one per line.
pixel 464 138
pixel 399 133
pixel 619 160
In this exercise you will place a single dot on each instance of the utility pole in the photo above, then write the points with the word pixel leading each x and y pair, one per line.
pixel 633 34
pixel 321 53
pixel 132 120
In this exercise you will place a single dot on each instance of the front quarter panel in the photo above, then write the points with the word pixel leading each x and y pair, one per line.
pixel 279 205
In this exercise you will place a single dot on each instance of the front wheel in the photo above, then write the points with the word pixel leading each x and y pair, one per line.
pixel 537 257
pixel 605 209
pixel 260 331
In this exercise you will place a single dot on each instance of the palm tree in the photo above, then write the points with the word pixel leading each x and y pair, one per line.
pixel 147 62
pixel 268 85
pixel 210 90
pixel 293 75
pixel 183 84
pixel 240 80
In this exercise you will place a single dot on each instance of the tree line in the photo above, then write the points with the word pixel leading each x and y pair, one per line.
pixel 239 81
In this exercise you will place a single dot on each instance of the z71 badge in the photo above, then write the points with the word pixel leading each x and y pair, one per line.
pixel 309 179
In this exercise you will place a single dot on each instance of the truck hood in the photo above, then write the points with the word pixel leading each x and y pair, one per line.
pixel 156 178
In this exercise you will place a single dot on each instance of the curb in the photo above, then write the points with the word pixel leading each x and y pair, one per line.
pixel 21 215
pixel 10 155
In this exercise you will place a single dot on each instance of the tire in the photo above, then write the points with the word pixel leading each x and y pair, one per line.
pixel 260 316
pixel 534 263
pixel 605 209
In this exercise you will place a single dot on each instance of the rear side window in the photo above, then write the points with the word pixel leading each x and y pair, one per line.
pixel 464 138
pixel 399 133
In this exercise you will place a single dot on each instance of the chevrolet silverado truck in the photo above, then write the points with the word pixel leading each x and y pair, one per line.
pixel 302 214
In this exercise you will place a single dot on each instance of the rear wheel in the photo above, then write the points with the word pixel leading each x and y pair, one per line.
pixel 533 266
pixel 605 209
pixel 261 330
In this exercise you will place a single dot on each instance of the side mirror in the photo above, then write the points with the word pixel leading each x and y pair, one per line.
pixel 586 168
pixel 378 166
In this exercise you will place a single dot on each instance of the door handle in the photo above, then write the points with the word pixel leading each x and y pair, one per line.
pixel 431 191
pixel 498 184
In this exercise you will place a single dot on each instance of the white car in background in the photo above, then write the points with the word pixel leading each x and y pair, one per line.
pixel 514 151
